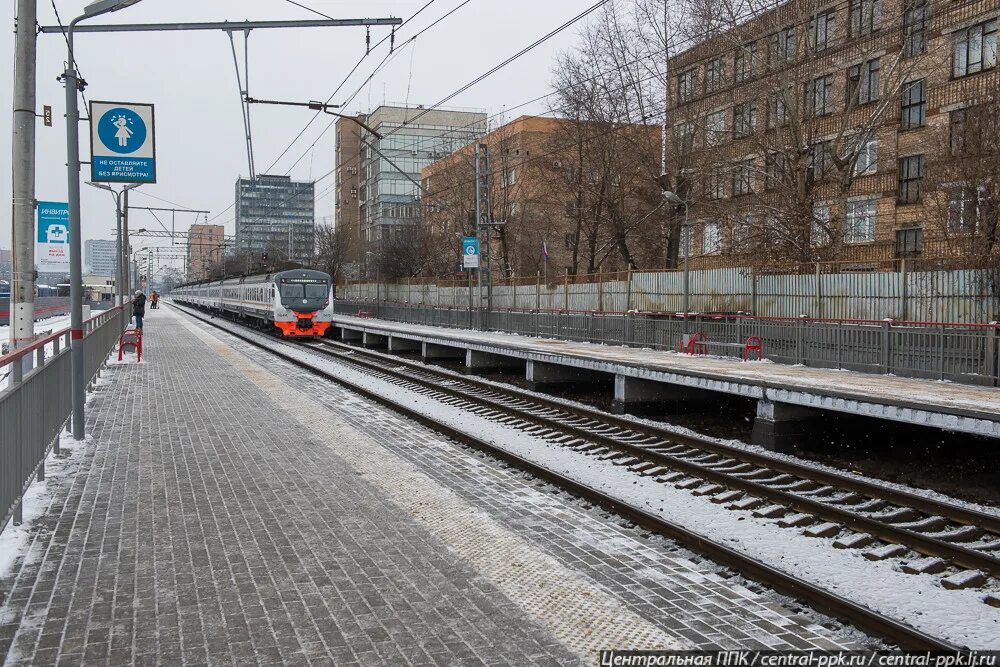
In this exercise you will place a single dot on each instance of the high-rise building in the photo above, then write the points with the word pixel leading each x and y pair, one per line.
pixel 5 267
pixel 275 214
pixel 99 257
pixel 206 245
pixel 389 168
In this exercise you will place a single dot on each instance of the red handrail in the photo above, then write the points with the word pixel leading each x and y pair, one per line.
pixel 21 352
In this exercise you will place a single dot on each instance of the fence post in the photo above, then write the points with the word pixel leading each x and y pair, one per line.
pixel 600 292
pixel 538 290
pixel 941 354
pixel 886 341
pixel 753 292
pixel 992 339
pixel 628 289
pixel 819 293
pixel 903 289
pixel 566 290
pixel 800 353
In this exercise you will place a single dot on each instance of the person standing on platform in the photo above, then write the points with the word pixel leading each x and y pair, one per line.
pixel 139 309
pixel 154 298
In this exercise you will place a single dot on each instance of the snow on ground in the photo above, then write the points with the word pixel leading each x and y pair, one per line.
pixel 958 616
pixel 43 327
pixel 15 540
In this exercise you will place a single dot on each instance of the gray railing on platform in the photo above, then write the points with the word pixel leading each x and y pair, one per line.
pixel 35 403
pixel 966 353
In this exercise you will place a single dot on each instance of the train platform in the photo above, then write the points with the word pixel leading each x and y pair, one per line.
pixel 785 394
pixel 225 509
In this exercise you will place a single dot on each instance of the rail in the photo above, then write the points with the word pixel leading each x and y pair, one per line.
pixel 965 353
pixel 36 401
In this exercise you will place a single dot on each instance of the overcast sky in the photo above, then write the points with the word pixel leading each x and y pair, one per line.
pixel 189 76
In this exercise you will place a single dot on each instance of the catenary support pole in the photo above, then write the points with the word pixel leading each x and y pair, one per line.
pixel 75 269
pixel 126 249
pixel 22 289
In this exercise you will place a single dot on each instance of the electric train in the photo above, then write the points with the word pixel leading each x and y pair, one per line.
pixel 297 302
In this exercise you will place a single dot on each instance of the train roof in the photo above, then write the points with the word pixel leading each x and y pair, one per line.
pixel 262 277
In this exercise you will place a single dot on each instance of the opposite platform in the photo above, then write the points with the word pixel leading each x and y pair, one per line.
pixel 958 407
pixel 229 511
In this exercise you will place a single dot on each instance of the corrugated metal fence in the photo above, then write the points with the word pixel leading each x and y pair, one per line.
pixel 961 296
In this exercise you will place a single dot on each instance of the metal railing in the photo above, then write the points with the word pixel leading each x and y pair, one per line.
pixel 35 403
pixel 966 353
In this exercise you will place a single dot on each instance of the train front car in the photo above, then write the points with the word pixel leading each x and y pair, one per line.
pixel 302 302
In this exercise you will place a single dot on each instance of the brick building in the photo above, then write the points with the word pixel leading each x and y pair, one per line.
pixel 554 183
pixel 837 131
pixel 205 250
pixel 347 214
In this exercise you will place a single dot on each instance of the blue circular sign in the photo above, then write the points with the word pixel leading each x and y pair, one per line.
pixel 121 130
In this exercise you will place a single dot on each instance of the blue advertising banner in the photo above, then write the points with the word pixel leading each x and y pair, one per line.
pixel 52 240
pixel 470 252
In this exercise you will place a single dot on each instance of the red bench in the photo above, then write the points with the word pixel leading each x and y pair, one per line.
pixel 132 338
pixel 366 313
pixel 698 343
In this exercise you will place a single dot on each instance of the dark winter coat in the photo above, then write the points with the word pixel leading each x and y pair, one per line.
pixel 139 306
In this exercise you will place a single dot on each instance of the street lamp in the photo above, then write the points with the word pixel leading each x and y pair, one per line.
pixel 73 85
pixel 674 199
pixel 120 280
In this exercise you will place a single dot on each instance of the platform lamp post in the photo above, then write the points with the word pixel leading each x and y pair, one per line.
pixel 73 86
pixel 120 281
pixel 686 237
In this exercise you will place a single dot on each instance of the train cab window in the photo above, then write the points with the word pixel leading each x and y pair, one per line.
pixel 291 291
pixel 316 291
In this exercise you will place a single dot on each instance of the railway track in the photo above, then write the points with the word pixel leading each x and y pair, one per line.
pixel 799 496
pixel 860 513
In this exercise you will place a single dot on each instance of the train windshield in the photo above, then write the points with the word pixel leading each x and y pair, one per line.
pixel 316 291
pixel 291 291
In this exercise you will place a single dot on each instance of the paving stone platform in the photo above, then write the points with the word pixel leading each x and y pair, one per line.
pixel 228 511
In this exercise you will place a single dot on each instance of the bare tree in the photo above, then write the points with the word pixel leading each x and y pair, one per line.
pixel 334 250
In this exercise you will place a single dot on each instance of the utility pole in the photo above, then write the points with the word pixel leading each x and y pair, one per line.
pixel 22 289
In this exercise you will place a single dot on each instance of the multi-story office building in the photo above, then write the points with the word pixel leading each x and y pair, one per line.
pixel 5 264
pixel 389 168
pixel 99 257
pixel 206 247
pixel 861 131
pixel 275 214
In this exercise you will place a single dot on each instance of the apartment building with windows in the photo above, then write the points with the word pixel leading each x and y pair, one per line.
pixel 347 182
pixel 205 251
pixel 848 130
pixel 100 257
pixel 275 214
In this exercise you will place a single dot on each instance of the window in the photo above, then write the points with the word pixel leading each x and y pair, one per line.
pixel 684 135
pixel 781 47
pixel 820 233
pixel 915 28
pixel 909 242
pixel 911 174
pixel 509 177
pixel 713 74
pixel 742 232
pixel 291 292
pixel 715 128
pixel 822 31
pixel 569 241
pixel 711 240
pixel 774 170
pixel 316 291
pixel 866 16
pixel 744 120
pixel 863 82
pixel 819 95
pixel 972 130
pixel 969 207
pixel 975 49
pixel 685 85
pixel 743 62
pixel 821 160
pixel 743 178
pixel 715 184
pixel 867 162
pixel 860 221
pixel 913 104
pixel 777 111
